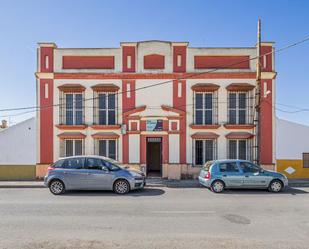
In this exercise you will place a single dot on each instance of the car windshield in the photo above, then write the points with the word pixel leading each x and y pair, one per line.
pixel 207 165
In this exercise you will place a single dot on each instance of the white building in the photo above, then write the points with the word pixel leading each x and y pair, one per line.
pixel 18 151
pixel 292 142
pixel 93 103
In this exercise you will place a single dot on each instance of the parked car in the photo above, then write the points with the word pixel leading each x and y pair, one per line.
pixel 91 173
pixel 222 174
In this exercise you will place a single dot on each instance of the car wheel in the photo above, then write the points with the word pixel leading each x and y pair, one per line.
pixel 57 187
pixel 217 186
pixel 275 186
pixel 121 187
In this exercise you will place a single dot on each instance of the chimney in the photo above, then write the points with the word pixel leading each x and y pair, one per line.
pixel 4 124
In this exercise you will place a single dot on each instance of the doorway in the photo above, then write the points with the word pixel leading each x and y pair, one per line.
pixel 154 156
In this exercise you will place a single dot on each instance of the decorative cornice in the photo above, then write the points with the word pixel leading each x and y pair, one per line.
pixel 40 75
pixel 240 87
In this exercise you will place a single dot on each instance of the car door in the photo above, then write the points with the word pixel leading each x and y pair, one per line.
pixel 252 175
pixel 99 176
pixel 231 174
pixel 75 175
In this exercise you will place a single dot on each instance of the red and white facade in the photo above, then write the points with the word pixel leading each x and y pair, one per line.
pixel 149 104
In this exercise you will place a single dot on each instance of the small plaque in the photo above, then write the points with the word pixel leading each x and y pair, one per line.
pixel 154 125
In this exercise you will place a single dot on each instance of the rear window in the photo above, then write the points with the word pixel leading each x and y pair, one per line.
pixel 207 165
pixel 58 164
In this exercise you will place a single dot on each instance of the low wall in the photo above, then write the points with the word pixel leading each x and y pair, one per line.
pixel 292 168
pixel 41 170
pixel 17 172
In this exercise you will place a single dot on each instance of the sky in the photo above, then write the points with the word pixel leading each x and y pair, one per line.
pixel 225 23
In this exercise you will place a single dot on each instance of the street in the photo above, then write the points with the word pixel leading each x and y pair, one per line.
pixel 154 218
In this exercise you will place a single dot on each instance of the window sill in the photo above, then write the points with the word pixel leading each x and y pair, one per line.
pixel 71 127
pixel 239 126
pixel 105 127
pixel 197 165
pixel 214 126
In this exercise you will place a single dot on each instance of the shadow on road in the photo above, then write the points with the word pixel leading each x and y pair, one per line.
pixel 134 193
pixel 288 190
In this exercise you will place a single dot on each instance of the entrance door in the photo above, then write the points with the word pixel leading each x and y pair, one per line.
pixel 154 155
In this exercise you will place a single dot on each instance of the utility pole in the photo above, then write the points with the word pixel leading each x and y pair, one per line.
pixel 257 116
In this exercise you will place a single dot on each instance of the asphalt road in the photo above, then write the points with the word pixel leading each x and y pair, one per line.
pixel 154 218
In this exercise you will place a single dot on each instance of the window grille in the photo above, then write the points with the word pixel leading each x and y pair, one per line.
pixel 240 108
pixel 205 108
pixel 306 160
pixel 106 147
pixel 72 109
pixel 105 108
pixel 204 150
pixel 239 149
pixel 71 147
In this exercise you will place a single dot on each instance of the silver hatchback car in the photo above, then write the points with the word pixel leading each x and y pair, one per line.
pixel 220 174
pixel 91 173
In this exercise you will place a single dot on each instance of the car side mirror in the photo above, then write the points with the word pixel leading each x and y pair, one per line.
pixel 261 170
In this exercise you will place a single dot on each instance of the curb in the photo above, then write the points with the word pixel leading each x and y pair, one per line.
pixel 22 184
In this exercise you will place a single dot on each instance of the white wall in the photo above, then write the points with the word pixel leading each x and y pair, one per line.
pixel 292 139
pixel 134 148
pixel 174 148
pixel 18 144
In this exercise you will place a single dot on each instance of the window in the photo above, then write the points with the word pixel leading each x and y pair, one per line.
pixel 205 105
pixel 239 149
pixel 94 164
pixel 249 167
pixel 111 166
pixel 205 150
pixel 58 164
pixel 73 109
pixel 106 148
pixel 105 109
pixel 237 108
pixel 306 160
pixel 73 147
pixel 74 163
pixel 228 167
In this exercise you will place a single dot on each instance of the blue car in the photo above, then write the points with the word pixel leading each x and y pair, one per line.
pixel 91 173
pixel 222 174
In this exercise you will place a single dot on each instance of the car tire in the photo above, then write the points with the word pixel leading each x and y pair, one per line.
pixel 121 187
pixel 275 186
pixel 57 187
pixel 217 186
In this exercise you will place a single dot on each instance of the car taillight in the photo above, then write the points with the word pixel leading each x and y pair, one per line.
pixel 50 168
pixel 208 175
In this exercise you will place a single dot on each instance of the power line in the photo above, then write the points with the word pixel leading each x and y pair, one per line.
pixel 168 81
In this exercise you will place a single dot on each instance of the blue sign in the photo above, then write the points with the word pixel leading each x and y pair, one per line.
pixel 154 125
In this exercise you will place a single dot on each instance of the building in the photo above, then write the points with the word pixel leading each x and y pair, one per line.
pixel 151 105
pixel 292 141
pixel 18 151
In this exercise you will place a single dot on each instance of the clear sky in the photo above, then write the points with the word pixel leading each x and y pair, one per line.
pixel 74 23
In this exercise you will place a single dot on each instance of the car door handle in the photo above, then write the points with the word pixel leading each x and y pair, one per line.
pixel 246 176
pixel 224 175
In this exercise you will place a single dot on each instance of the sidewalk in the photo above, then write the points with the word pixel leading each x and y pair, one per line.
pixel 151 182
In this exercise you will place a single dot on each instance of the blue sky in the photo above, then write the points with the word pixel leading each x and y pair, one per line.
pixel 74 23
